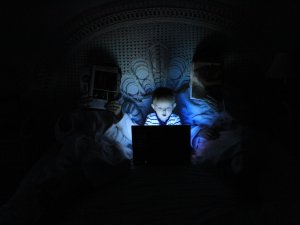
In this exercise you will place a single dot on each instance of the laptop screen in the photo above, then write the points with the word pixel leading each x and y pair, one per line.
pixel 161 145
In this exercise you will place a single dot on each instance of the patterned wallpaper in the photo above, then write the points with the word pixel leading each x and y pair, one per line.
pixel 149 55
pixel 153 46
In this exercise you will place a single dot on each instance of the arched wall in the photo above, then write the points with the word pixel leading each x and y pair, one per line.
pixel 152 43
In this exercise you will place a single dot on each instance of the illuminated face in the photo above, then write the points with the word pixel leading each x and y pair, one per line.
pixel 163 108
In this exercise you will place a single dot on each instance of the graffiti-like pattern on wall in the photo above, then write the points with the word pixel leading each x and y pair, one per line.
pixel 145 75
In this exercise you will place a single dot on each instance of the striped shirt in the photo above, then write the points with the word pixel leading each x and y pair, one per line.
pixel 152 119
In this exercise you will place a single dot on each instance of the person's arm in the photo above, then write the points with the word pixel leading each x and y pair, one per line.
pixel 120 130
pixel 116 109
pixel 122 123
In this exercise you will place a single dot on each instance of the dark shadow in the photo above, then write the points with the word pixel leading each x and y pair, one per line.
pixel 98 56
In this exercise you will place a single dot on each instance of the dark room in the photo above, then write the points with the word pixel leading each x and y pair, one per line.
pixel 150 112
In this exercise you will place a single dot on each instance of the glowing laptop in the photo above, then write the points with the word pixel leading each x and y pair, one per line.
pixel 161 145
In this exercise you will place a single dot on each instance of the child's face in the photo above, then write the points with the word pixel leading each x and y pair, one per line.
pixel 163 108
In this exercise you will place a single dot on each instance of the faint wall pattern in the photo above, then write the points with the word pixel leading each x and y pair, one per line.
pixel 153 45
pixel 145 75
pixel 208 13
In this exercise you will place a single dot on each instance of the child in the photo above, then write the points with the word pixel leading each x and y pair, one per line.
pixel 163 103
pixel 119 132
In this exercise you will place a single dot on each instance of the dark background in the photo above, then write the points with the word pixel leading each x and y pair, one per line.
pixel 31 36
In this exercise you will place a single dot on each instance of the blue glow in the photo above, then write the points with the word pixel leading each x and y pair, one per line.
pixel 194 112
pixel 197 113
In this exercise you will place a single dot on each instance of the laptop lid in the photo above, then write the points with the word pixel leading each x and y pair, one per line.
pixel 161 145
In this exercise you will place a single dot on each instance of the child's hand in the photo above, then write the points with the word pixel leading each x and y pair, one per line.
pixel 115 108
